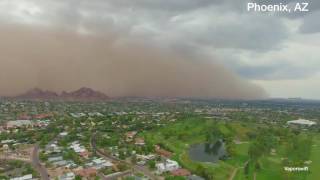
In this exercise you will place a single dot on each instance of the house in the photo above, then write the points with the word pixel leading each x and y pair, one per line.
pixel 181 172
pixel 41 123
pixel 42 116
pixel 130 135
pixel 62 134
pixel 60 163
pixel 162 152
pixel 55 159
pixel 168 165
pixel 78 115
pixel 70 165
pixel 84 154
pixel 139 141
pixel 77 147
pixel 101 163
pixel 26 177
pixel 146 157
pixel 301 123
pixel 1 129
pixel 95 114
pixel 68 176
pixel 8 141
pixel 18 123
pixel 52 148
pixel 24 117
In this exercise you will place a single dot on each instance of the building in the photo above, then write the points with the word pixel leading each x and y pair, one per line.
pixel 139 142
pixel 101 163
pixel 78 115
pixel 84 154
pixel 301 123
pixel 55 159
pixel 52 148
pixel 18 123
pixel 60 163
pixel 181 172
pixel 168 165
pixel 162 152
pixel 77 147
pixel 42 116
pixel 68 176
pixel 62 134
pixel 130 135
pixel 95 114
pixel 26 177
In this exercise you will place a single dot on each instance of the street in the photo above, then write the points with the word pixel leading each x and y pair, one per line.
pixel 37 165
pixel 135 168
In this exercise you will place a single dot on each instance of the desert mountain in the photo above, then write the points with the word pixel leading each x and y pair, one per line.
pixel 82 94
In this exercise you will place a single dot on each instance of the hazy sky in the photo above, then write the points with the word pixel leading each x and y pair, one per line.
pixel 278 51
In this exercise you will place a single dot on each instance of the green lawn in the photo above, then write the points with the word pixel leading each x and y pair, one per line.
pixel 178 138
pixel 182 135
pixel 272 168
pixel 315 158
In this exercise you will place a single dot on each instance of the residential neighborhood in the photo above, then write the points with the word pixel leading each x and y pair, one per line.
pixel 111 141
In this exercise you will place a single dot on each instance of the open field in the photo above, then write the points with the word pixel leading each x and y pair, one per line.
pixel 178 138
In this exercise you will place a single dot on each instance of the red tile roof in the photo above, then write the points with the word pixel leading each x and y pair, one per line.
pixel 181 172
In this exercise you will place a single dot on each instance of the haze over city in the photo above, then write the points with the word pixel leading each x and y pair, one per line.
pixel 159 89
pixel 160 48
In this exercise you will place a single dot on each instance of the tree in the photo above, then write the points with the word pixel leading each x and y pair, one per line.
pixel 152 164
pixel 255 151
pixel 175 178
pixel 122 167
pixel 257 166
pixel 133 159
pixel 246 169
pixel 43 156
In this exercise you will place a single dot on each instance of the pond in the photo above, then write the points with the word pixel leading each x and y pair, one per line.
pixel 208 152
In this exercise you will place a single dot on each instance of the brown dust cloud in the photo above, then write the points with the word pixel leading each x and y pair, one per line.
pixel 60 60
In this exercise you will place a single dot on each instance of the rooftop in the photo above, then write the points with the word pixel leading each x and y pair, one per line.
pixel 302 122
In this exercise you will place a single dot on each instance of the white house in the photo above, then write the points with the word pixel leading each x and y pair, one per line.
pixel 26 177
pixel 302 122
pixel 19 123
pixel 77 147
pixel 95 114
pixel 78 115
pixel 68 176
pixel 63 134
pixel 101 163
pixel 168 165
pixel 55 159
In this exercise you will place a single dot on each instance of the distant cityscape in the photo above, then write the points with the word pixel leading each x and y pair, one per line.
pixel 154 138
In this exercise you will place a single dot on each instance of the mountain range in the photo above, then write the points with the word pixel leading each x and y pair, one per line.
pixel 82 94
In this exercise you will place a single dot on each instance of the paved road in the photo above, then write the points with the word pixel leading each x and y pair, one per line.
pixel 36 163
pixel 234 172
pixel 136 168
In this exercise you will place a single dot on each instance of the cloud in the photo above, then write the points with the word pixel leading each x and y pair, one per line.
pixel 311 23
pixel 204 22
pixel 254 45
pixel 63 60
